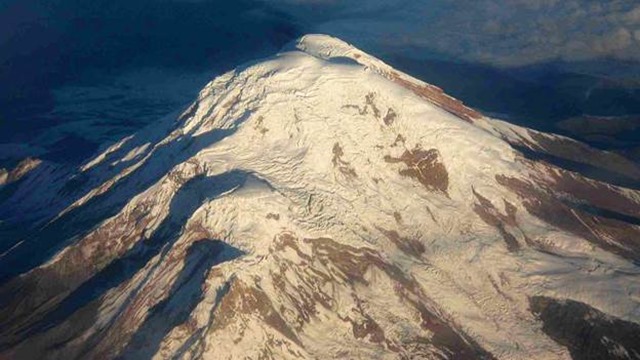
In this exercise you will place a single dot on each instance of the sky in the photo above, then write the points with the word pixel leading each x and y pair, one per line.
pixel 77 74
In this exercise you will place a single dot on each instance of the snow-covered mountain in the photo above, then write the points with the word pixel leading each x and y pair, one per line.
pixel 320 204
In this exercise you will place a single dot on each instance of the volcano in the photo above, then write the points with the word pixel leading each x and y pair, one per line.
pixel 320 204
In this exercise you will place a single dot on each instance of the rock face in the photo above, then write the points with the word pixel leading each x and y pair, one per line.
pixel 320 204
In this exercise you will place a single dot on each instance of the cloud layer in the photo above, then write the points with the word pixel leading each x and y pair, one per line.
pixel 504 33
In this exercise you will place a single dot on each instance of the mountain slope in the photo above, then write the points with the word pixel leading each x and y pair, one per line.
pixel 320 204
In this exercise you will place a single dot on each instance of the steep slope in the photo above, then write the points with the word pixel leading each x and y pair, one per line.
pixel 320 204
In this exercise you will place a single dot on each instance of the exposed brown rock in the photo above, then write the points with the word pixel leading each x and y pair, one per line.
pixel 400 140
pixel 411 247
pixel 586 332
pixel 368 328
pixel 498 288
pixel 43 288
pixel 390 117
pixel 596 193
pixel 435 95
pixel 306 299
pixel 272 216
pixel 190 112
pixel 444 335
pixel 234 100
pixel 398 217
pixel 369 104
pixel 4 175
pixel 241 300
pixel 288 240
pixel 425 166
pixel 344 265
pixel 341 164
pixel 433 217
pixel 363 325
pixel 578 152
pixel 337 154
pixel 612 235
pixel 446 339
pixel 259 126
pixel 493 217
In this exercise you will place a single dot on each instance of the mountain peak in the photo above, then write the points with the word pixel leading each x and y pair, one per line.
pixel 323 46
pixel 321 204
